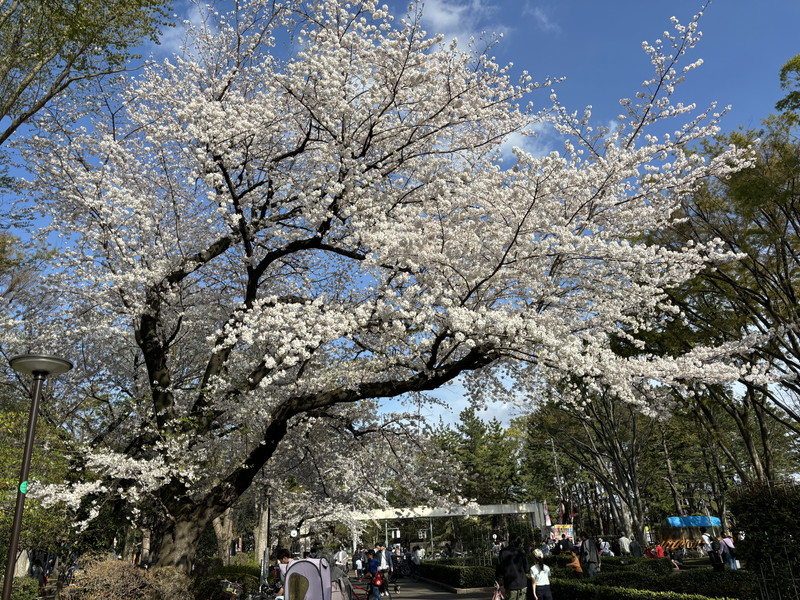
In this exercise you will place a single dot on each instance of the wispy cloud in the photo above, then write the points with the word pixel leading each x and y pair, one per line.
pixel 173 39
pixel 460 19
pixel 541 18
pixel 537 140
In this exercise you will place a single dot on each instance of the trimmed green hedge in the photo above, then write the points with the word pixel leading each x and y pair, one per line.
pixel 581 590
pixel 635 574
pixel 656 566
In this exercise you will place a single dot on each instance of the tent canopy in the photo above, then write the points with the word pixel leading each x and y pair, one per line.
pixel 697 521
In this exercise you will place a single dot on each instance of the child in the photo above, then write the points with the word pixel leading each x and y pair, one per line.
pixel 540 574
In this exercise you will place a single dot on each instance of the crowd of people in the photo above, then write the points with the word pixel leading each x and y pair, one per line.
pixel 586 555
pixel 374 566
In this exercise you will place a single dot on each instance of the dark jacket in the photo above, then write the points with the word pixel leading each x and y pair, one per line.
pixel 512 568
pixel 388 556
pixel 589 553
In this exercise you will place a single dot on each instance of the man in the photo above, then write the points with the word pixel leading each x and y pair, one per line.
pixel 636 549
pixel 564 546
pixel 589 556
pixel 284 557
pixel 385 564
pixel 624 545
pixel 340 559
pixel 512 570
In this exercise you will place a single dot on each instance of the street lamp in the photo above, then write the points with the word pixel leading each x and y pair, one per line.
pixel 40 367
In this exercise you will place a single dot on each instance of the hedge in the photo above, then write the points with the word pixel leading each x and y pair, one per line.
pixel 636 574
pixel 458 576
pixel 582 590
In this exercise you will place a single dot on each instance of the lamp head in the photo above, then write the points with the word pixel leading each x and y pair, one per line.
pixel 32 364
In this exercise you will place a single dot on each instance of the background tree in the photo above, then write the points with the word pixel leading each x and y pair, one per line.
pixel 258 248
pixel 790 81
pixel 487 458
pixel 47 46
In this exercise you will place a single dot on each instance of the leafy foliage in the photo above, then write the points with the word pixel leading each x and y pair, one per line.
pixel 24 588
pixel 767 515
pixel 790 81
pixel 48 45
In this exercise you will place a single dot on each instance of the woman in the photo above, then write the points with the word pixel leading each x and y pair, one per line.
pixel 540 574
pixel 728 550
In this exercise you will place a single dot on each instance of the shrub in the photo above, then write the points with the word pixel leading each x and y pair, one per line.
pixel 716 584
pixel 768 516
pixel 105 578
pixel 628 579
pixel 209 586
pixel 578 590
pixel 171 584
pixel 24 588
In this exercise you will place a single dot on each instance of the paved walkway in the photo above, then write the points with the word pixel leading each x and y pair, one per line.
pixel 423 590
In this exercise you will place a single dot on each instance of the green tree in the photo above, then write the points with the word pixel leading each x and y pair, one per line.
pixel 46 46
pixel 790 81
pixel 487 455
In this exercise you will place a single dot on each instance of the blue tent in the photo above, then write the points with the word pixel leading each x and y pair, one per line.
pixel 691 522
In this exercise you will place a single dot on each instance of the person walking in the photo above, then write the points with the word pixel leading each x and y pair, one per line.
pixel 636 549
pixel 375 576
pixel 624 545
pixel 340 559
pixel 728 550
pixel 386 567
pixel 589 555
pixel 540 576
pixel 512 570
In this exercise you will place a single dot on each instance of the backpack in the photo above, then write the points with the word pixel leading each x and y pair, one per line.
pixel 715 544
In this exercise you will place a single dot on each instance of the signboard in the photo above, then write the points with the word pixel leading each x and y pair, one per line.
pixel 565 529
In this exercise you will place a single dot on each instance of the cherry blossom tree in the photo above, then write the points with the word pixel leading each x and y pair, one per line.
pixel 309 211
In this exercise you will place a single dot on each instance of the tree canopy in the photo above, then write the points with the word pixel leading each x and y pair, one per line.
pixel 46 46
pixel 259 244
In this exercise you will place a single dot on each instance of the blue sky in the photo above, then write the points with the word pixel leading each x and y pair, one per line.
pixel 596 45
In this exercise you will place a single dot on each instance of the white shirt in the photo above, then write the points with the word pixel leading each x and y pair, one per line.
pixel 540 575
pixel 706 541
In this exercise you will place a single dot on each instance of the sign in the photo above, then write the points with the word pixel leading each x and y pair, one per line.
pixel 565 529
pixel 422 534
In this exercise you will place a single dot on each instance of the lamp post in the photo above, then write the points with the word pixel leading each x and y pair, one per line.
pixel 40 367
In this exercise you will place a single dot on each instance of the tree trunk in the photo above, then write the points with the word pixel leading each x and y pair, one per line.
pixel 179 544
pixel 262 533
pixel 223 527
pixel 145 546
pixel 671 477
pixel 129 548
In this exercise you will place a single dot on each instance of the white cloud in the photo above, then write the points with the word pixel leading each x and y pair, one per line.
pixel 459 19
pixel 541 18
pixel 537 140
pixel 173 39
